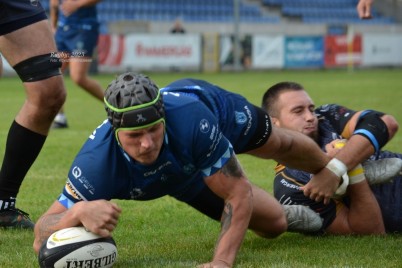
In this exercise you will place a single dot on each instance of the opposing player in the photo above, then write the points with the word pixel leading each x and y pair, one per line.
pixel 77 31
pixel 366 209
pixel 27 43
pixel 183 143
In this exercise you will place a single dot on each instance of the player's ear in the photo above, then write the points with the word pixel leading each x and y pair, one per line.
pixel 275 121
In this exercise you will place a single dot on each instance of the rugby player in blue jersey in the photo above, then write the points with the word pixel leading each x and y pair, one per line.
pixel 369 207
pixel 76 29
pixel 182 141
pixel 27 43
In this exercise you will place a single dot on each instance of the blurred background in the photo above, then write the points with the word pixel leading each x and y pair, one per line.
pixel 227 35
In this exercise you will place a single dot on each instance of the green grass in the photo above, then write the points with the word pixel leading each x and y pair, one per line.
pixel 166 233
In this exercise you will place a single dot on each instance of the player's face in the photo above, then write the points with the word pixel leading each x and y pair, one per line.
pixel 143 145
pixel 296 112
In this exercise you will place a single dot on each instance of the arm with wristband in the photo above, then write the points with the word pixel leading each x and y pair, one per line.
pixel 370 131
pixel 363 214
pixel 367 132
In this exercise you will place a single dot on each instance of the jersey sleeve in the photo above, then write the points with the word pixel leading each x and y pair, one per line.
pixel 211 148
pixel 198 136
pixel 338 116
pixel 91 174
pixel 84 182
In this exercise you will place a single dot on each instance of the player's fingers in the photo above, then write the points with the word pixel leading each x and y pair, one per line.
pixel 105 233
pixel 316 197
pixel 306 191
pixel 326 200
pixel 310 194
pixel 115 207
pixel 110 227
pixel 99 230
pixel 112 221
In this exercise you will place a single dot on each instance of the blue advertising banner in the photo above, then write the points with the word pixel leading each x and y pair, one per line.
pixel 304 51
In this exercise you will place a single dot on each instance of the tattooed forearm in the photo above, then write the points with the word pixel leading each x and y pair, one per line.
pixel 232 168
pixel 47 223
pixel 227 215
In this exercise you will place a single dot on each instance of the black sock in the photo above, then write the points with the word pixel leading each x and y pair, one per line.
pixel 22 148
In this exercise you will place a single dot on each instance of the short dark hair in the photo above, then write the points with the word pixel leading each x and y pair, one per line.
pixel 272 94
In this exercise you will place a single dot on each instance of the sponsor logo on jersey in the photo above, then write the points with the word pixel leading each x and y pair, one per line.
pixel 77 174
pixel 266 131
pixel 241 117
pixel 72 191
pixel 211 137
pixel 289 185
pixel 34 3
pixel 215 143
pixel 188 169
pixel 152 172
pixel 204 126
pixel 136 193
pixel 250 120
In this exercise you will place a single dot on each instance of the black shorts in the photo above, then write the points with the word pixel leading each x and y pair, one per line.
pixel 206 202
pixel 17 14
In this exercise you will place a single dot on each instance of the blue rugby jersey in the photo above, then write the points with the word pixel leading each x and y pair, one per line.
pixel 236 116
pixel 194 147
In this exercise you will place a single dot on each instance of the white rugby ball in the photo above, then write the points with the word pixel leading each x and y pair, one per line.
pixel 77 247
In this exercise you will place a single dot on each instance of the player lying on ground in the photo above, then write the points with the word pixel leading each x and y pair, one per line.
pixel 365 209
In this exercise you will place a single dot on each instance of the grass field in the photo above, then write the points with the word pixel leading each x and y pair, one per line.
pixel 166 233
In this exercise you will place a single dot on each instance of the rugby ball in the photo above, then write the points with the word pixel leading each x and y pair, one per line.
pixel 77 247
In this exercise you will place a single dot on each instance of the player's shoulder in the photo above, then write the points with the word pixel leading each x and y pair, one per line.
pixel 181 102
pixel 100 141
pixel 324 108
pixel 331 110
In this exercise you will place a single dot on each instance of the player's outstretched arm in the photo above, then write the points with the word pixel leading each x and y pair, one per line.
pixel 99 217
pixel 298 151
pixel 367 134
pixel 231 184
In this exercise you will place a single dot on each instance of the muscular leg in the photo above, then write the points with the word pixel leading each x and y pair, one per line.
pixel 43 99
pixel 268 219
pixel 363 215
